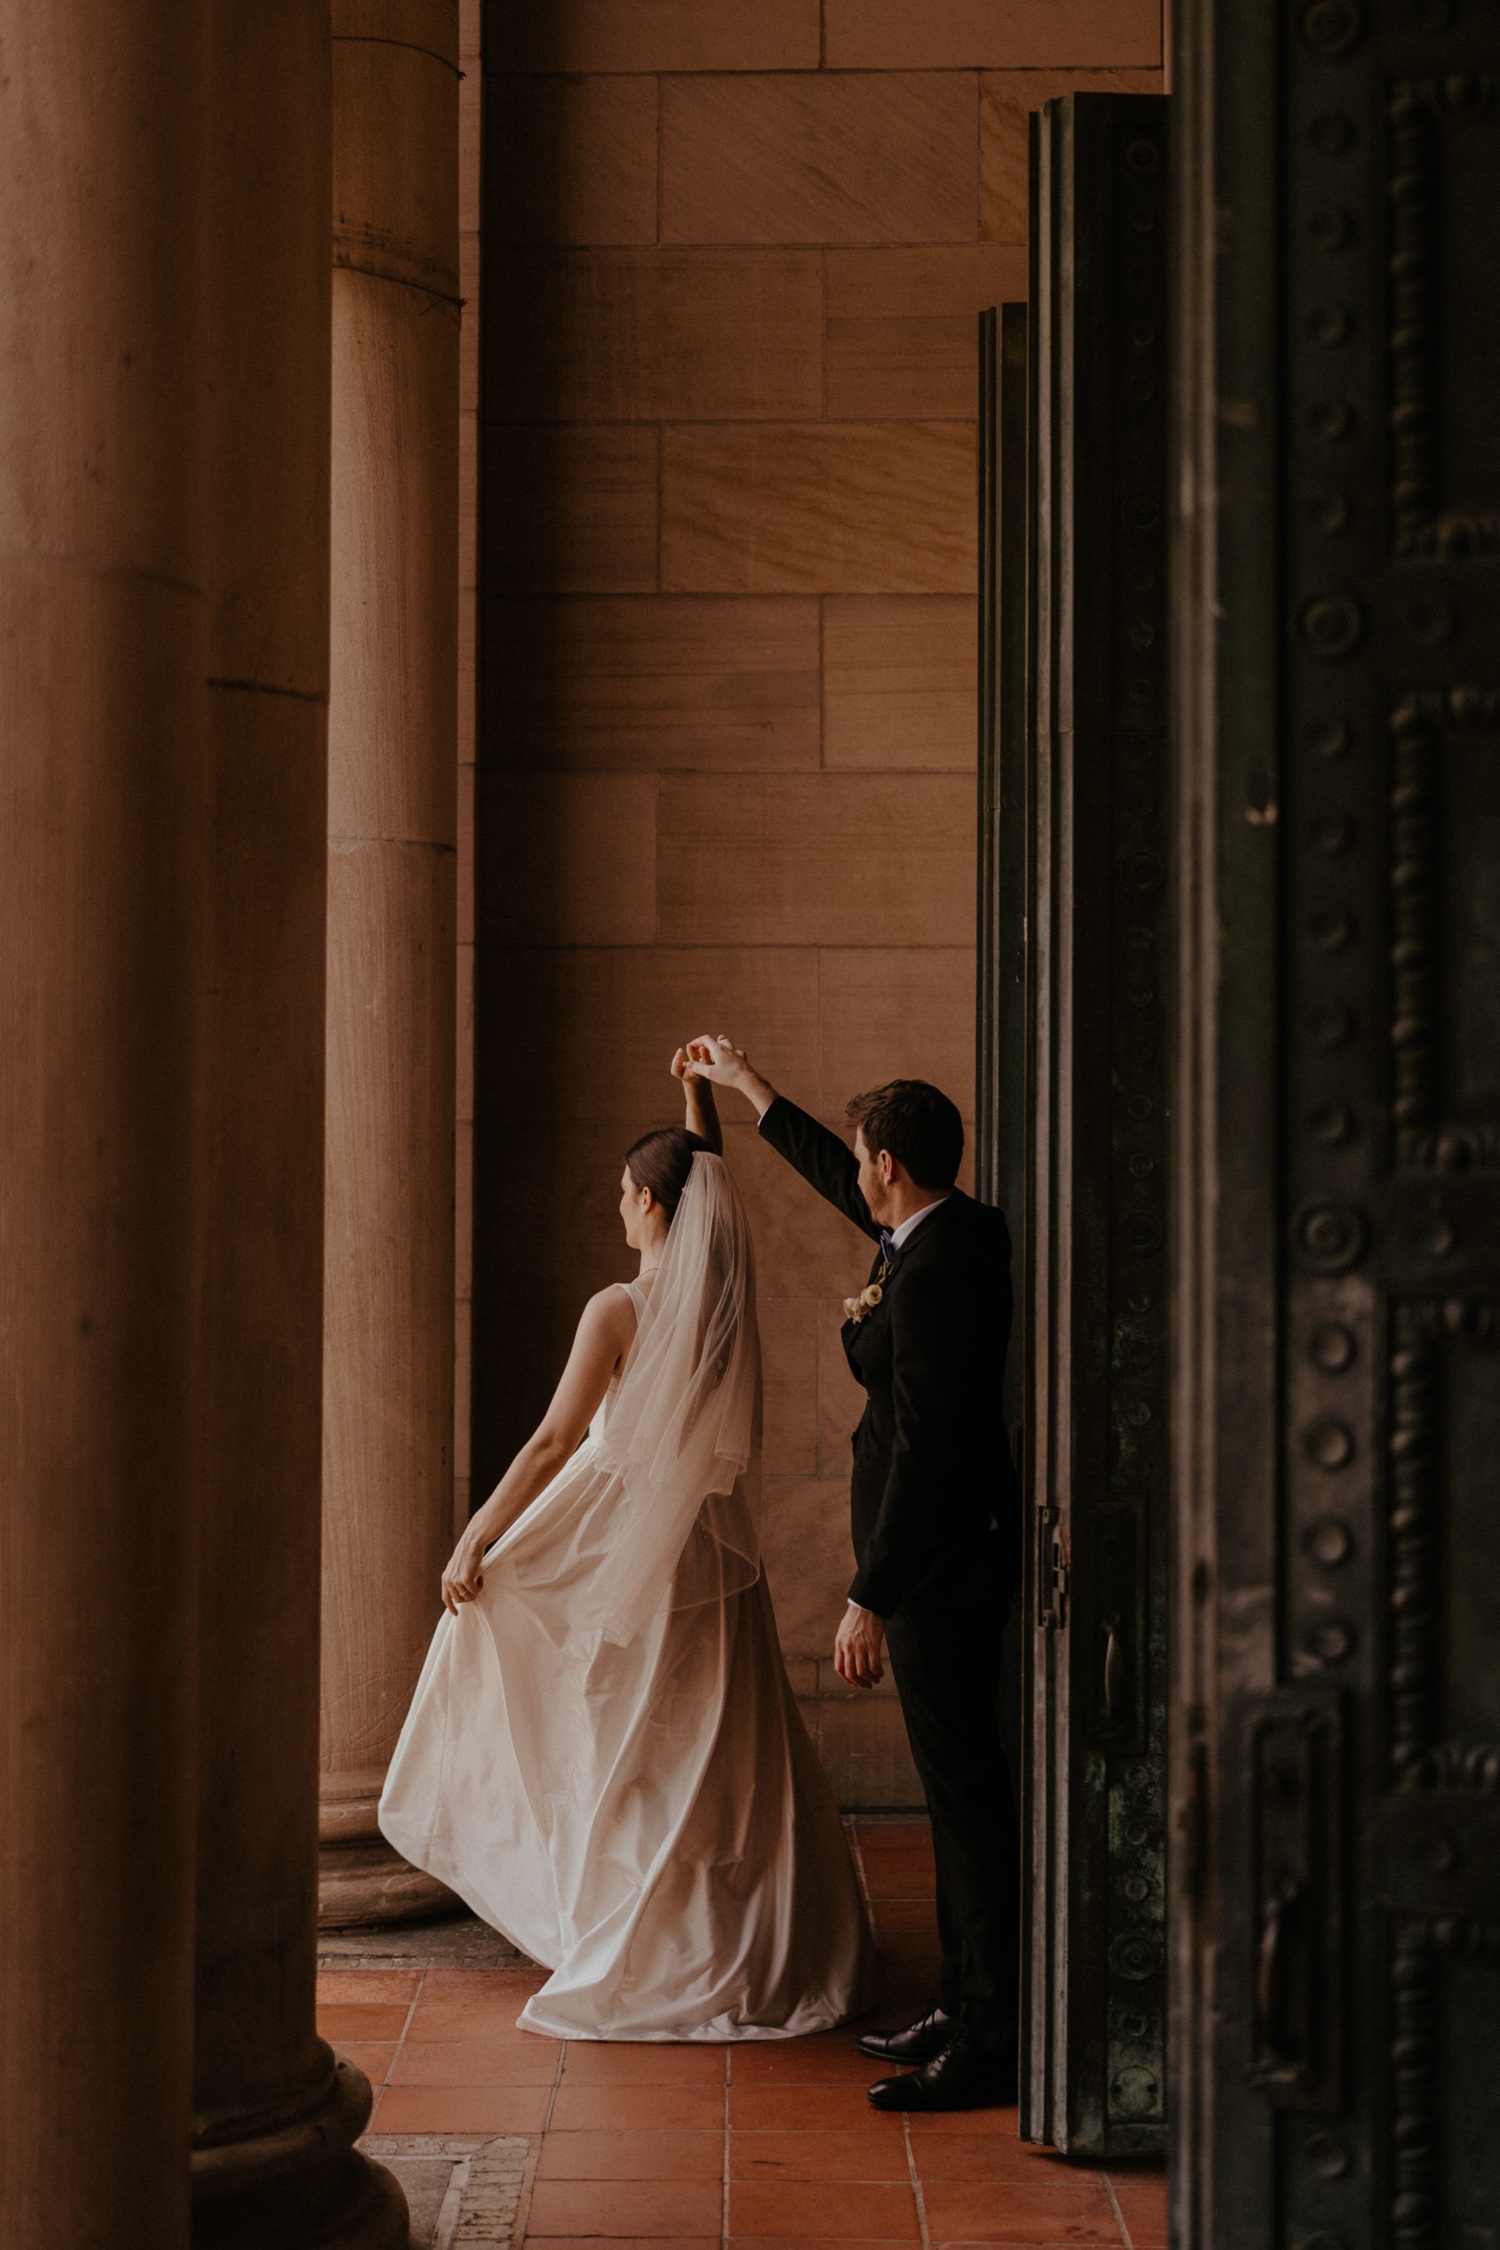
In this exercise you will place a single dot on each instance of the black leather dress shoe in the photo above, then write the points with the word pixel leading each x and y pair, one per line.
pixel 961 2077
pixel 915 2042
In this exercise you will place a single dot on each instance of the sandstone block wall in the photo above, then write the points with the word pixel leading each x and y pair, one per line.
pixel 733 252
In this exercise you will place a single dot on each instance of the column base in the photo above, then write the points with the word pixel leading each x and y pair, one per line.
pixel 363 1882
pixel 297 2182
pixel 371 1886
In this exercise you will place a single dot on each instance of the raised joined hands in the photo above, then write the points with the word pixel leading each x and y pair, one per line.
pixel 722 1063
pixel 698 1094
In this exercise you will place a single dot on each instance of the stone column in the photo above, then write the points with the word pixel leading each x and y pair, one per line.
pixel 388 1346
pixel 276 2113
pixel 101 961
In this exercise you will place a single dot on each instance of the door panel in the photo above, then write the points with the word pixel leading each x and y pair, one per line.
pixel 1336 1752
pixel 1098 972
pixel 1002 1106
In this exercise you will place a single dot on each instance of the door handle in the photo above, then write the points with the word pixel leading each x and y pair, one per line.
pixel 1274 1975
pixel 1296 1999
pixel 1114 1669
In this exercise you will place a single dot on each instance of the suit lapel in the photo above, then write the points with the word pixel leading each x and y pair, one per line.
pixel 932 1228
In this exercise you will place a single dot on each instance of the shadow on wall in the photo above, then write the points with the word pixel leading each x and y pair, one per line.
pixel 543 1211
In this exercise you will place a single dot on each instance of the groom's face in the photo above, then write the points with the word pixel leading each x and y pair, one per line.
pixel 874 1177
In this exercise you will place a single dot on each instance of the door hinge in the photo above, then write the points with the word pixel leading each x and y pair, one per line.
pixel 1052 1571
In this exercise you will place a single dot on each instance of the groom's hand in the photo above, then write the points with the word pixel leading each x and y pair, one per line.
pixel 724 1064
pixel 856 1652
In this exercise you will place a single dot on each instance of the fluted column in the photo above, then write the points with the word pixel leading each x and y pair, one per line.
pixel 101 960
pixel 388 1352
pixel 276 2113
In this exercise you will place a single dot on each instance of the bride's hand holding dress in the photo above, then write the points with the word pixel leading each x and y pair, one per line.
pixel 605 1334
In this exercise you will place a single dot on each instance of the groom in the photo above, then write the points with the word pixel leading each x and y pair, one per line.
pixel 936 1518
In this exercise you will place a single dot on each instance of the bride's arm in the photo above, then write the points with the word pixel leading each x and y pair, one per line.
pixel 604 1336
pixel 702 1115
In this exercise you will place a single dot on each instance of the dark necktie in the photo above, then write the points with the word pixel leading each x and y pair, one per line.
pixel 887 1245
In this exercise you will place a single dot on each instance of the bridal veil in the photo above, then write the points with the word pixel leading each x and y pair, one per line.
pixel 682 1430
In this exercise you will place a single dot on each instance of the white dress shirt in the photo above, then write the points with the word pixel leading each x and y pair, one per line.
pixel 901 1235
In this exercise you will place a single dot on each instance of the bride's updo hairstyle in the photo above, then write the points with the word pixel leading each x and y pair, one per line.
pixel 661 1161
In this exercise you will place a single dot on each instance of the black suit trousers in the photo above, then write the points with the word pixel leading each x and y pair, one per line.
pixel 946 1662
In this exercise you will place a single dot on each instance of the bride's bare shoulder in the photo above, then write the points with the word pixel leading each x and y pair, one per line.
pixel 610 1310
pixel 606 1331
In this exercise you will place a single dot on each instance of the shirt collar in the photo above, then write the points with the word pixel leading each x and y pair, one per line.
pixel 908 1227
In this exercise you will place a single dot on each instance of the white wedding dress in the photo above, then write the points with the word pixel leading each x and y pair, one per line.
pixel 604 1757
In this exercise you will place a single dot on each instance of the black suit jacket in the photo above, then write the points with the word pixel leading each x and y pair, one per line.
pixel 933 1477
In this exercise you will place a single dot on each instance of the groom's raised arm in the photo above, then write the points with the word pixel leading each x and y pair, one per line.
pixel 820 1156
pixel 809 1147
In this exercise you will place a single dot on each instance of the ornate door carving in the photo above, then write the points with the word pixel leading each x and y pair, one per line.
pixel 1097 989
pixel 1336 1757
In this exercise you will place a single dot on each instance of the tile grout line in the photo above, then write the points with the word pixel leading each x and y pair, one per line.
pixel 916 2179
pixel 411 2009
pixel 822 764
pixel 857 1854
pixel 1114 2204
pixel 724 2199
pixel 534 2154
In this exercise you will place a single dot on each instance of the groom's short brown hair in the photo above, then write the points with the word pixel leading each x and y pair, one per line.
pixel 917 1124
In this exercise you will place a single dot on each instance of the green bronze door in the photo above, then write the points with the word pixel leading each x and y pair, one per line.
pixel 1081 984
pixel 1336 1609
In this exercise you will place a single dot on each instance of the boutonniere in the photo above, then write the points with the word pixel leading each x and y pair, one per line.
pixel 860 1308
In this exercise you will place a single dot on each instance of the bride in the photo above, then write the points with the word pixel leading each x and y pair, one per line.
pixel 603 1756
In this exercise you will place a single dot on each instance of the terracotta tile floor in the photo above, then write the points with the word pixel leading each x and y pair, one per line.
pixel 684 2148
